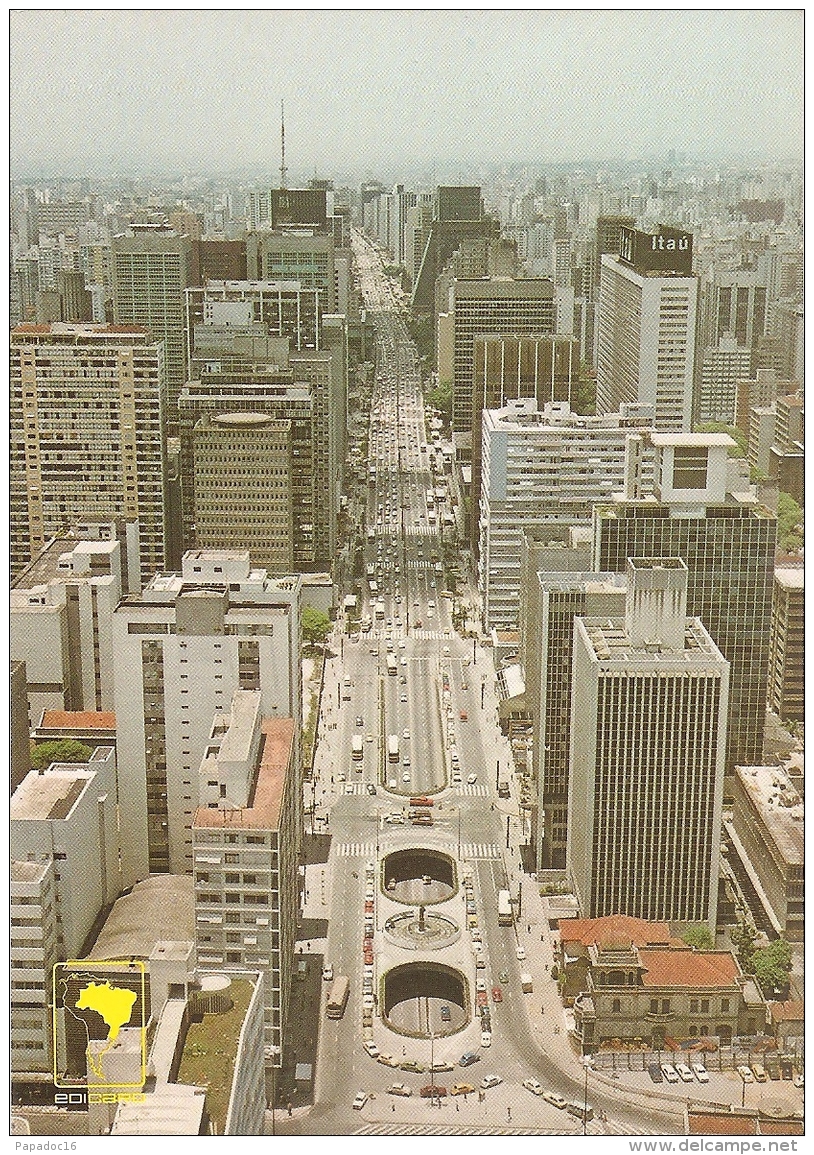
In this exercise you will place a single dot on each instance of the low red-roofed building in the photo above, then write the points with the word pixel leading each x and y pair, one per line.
pixel 96 727
pixel 788 1020
pixel 631 982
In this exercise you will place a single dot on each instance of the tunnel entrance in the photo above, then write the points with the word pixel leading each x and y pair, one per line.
pixel 419 876
pixel 425 998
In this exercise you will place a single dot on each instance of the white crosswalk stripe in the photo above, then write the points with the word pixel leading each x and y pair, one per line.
pixel 479 850
pixel 428 635
pixel 477 790
pixel 356 850
pixel 358 788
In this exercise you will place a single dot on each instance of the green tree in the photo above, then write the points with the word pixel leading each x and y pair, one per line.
pixel 736 434
pixel 63 750
pixel 698 936
pixel 744 937
pixel 441 398
pixel 771 966
pixel 583 392
pixel 315 625
pixel 789 522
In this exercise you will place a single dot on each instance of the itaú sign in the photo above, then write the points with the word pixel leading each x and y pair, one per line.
pixel 669 250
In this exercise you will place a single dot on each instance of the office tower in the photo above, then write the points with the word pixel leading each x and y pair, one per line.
pixel 418 222
pixel 542 469
pixel 243 487
pixel 646 327
pixel 270 308
pixel 181 650
pixel 728 546
pixel 766 833
pixel 763 389
pixel 733 304
pixel 60 622
pixel 494 306
pixel 217 259
pixel 606 239
pixel 322 371
pixel 19 726
pixel 246 837
pixel 303 255
pixel 507 368
pixel 151 270
pixel 648 729
pixel 64 849
pixel 787 644
pixel 562 596
pixel 76 303
pixel 721 367
pixel 86 434
pixel 457 215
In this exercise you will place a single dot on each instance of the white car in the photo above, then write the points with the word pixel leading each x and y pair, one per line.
pixel 392 784
pixel 457 776
pixel 349 788
pixel 700 1072
pixel 533 1086
pixel 371 1049
pixel 481 984
pixel 684 1072
pixel 555 1100
pixel 670 1073
pixel 360 1100
pixel 395 819
pixel 405 776
pixel 328 973
pixel 746 1074
pixel 490 1081
pixel 521 954
pixel 486 1038
pixel 405 735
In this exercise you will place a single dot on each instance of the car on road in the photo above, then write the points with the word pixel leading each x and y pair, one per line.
pixel 533 1086
pixel 403 698
pixel 504 976
pixel 412 1065
pixel 371 789
pixel 392 784
pixel 349 788
pixel 360 1100
pixel 497 995
pixel 746 1074
pixel 442 1065
pixel 405 734
pixel 405 776
pixel 446 651
pixel 684 1072
pixel 669 1072
pixel 520 953
pixel 700 1072
pixel 446 1014
pixel 387 1060
pixel 462 1089
pixel 463 716
pixel 468 1058
pixel 490 1081
pixel 371 1049
pixel 480 984
pixel 328 973
pixel 399 1089
pixel 759 1072
pixel 359 721
pixel 422 820
pixel 394 819
pixel 472 779
pixel 486 1038
pixel 432 1091
pixel 654 1071
pixel 457 777
pixel 555 1100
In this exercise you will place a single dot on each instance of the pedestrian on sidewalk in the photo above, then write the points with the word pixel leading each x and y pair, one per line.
pixel 509 1114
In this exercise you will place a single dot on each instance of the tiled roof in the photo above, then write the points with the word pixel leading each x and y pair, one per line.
pixel 688 968
pixel 713 1123
pixel 783 1012
pixel 79 720
pixel 613 929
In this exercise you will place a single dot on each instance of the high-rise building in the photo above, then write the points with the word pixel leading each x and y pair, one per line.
pixel 457 215
pixel 246 845
pixel 151 270
pixel 492 306
pixel 303 255
pixel 646 327
pixel 181 650
pixel 269 308
pixel 727 544
pixel 87 414
pixel 787 645
pixel 19 726
pixel 648 731
pixel 543 469
pixel 721 367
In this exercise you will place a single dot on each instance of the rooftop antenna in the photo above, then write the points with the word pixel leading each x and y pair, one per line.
pixel 283 169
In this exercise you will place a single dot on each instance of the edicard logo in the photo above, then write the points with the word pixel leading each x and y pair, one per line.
pixel 99 1024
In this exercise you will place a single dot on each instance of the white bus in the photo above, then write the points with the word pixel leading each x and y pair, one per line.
pixel 379 610
pixel 504 909
pixel 393 748
pixel 357 748
pixel 392 665
pixel 374 587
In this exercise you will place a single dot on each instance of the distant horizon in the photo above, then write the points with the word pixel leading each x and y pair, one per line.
pixel 202 89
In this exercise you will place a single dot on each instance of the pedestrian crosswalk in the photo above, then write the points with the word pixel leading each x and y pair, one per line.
pixel 356 850
pixel 354 788
pixel 429 635
pixel 476 790
pixel 479 850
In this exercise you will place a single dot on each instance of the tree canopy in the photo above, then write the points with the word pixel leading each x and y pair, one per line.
pixel 316 625
pixel 698 936
pixel 789 522
pixel 61 750
pixel 736 434
pixel 771 966
pixel 441 398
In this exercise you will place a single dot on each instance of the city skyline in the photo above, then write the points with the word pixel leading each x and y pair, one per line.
pixel 430 87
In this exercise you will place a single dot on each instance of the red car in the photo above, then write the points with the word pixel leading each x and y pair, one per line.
pixel 464 715
pixel 432 1092
pixel 481 999
pixel 497 995
pixel 368 908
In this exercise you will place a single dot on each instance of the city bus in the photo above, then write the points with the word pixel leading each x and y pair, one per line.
pixel 392 665
pixel 379 610
pixel 374 588
pixel 338 997
pixel 357 748
pixel 393 748
pixel 505 916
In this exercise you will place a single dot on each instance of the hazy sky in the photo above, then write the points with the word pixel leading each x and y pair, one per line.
pixel 370 90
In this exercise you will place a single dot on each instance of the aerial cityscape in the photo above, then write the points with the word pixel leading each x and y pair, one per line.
pixel 406 547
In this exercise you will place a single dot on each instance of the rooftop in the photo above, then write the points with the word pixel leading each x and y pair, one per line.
pixel 792 577
pixel 275 760
pixel 686 967
pixel 78 720
pixel 51 795
pixel 779 806
pixel 611 643
pixel 614 930
pixel 160 908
